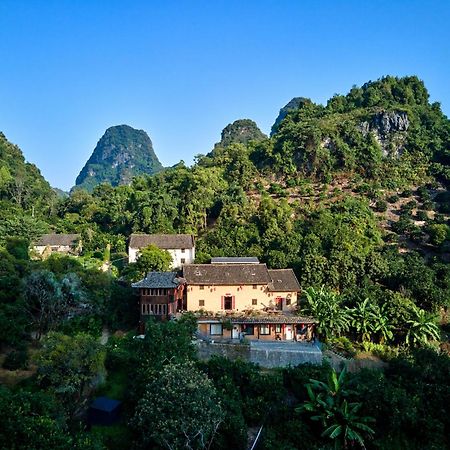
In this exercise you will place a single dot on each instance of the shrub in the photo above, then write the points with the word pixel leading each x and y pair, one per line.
pixel 85 323
pixel 343 345
pixel 423 193
pixel 408 207
pixel 428 205
pixel 381 206
pixel 438 233
pixel 259 187
pixel 383 351
pixel 416 235
pixel 439 218
pixel 16 360
pixel 407 193
pixel 422 215
pixel 291 182
pixel 276 189
pixel 393 198
pixel 404 225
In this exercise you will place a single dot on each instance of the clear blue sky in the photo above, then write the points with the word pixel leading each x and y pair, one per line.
pixel 183 70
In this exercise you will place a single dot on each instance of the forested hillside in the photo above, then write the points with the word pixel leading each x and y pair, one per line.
pixel 27 200
pixel 353 195
pixel 120 154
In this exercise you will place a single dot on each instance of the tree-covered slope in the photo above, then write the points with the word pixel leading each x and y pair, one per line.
pixel 122 153
pixel 21 182
pixel 26 199
pixel 240 131
pixel 385 130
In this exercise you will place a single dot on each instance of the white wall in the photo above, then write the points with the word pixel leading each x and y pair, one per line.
pixel 177 256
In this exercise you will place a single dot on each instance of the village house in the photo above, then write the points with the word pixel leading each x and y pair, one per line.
pixel 160 294
pixel 232 298
pixel 58 243
pixel 237 297
pixel 180 246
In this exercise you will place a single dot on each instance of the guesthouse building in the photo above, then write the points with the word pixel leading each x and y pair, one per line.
pixel 180 246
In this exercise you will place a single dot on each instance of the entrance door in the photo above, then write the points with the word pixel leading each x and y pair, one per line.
pixel 235 332
pixel 289 332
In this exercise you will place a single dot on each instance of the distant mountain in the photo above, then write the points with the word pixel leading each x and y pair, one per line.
pixel 240 132
pixel 60 193
pixel 295 104
pixel 122 153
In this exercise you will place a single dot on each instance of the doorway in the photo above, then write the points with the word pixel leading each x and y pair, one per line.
pixel 289 332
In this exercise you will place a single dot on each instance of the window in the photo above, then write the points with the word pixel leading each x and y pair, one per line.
pixel 158 310
pixel 288 301
pixel 228 302
pixel 201 303
pixel 202 287
pixel 182 250
pixel 255 286
pixel 278 328
pixel 264 329
pixel 254 301
pixel 249 330
pixel 215 329
pixel 183 260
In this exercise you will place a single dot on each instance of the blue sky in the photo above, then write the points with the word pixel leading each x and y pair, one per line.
pixel 183 70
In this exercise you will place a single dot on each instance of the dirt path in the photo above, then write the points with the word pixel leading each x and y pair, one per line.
pixel 105 336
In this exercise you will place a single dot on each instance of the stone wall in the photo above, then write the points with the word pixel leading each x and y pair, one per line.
pixel 264 354
pixel 231 351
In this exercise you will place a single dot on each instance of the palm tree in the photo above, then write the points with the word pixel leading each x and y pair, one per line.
pixel 422 327
pixel 339 418
pixel 326 306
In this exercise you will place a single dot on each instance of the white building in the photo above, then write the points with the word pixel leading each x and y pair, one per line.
pixel 58 243
pixel 180 246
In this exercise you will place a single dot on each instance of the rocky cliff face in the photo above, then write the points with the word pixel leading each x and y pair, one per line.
pixel 122 153
pixel 389 129
pixel 240 132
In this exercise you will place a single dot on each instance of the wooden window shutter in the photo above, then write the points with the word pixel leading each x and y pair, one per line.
pixel 222 301
pixel 233 302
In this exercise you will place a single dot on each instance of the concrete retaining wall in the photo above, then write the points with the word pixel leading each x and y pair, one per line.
pixel 266 354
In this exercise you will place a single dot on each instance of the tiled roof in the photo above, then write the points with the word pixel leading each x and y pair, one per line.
pixel 58 239
pixel 226 274
pixel 274 319
pixel 259 319
pixel 235 260
pixel 283 280
pixel 163 241
pixel 159 280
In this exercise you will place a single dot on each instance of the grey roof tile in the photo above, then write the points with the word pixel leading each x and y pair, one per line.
pixel 159 280
pixel 163 241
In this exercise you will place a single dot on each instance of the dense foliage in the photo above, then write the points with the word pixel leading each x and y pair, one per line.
pixel 352 195
pixel 120 154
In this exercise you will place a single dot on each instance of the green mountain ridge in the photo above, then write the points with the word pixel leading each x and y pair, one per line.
pixel 241 131
pixel 352 195
pixel 122 153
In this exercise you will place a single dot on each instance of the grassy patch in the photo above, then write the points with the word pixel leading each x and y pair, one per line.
pixel 115 437
pixel 115 386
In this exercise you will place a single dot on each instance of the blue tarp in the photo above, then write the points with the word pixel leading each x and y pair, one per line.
pixel 104 411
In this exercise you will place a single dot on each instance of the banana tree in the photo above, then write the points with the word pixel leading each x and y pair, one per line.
pixel 326 306
pixel 363 319
pixel 422 327
pixel 340 419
